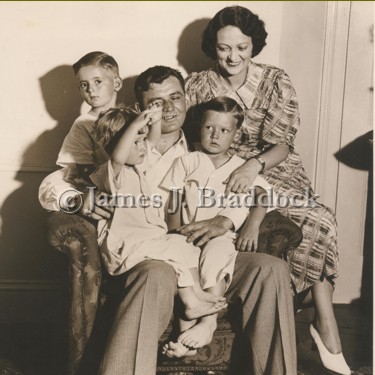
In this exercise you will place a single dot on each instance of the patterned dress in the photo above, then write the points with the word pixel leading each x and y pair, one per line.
pixel 272 117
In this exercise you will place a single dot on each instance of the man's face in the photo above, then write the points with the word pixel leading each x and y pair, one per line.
pixel 170 95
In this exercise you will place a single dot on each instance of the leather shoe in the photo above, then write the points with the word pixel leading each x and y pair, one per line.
pixel 332 362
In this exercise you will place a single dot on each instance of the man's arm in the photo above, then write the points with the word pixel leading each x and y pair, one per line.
pixel 56 194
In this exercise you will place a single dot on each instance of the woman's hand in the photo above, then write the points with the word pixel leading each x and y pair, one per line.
pixel 242 178
pixel 206 229
pixel 248 237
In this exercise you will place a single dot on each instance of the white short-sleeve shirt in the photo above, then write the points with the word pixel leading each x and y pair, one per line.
pixel 203 187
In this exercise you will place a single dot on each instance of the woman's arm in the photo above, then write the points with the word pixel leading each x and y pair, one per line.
pixel 242 178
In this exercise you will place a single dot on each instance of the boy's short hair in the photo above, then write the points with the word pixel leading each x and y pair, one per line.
pixel 111 124
pixel 102 59
pixel 155 74
pixel 223 104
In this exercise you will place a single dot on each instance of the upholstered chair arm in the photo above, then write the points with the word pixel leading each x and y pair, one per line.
pixel 278 235
pixel 77 238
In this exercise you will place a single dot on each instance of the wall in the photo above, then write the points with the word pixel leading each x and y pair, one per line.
pixel 40 99
pixel 40 40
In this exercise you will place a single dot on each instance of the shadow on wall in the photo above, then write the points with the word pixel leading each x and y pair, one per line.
pixel 190 56
pixel 24 252
pixel 358 154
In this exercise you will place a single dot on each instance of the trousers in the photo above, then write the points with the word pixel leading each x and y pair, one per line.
pixel 260 291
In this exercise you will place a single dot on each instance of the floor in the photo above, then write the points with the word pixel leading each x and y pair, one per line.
pixel 355 326
pixel 40 349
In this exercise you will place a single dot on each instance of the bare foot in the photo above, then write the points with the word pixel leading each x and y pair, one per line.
pixel 209 297
pixel 202 308
pixel 199 335
pixel 186 324
pixel 177 350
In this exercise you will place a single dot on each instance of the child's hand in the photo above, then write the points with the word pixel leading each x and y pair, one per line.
pixel 143 119
pixel 247 240
pixel 156 111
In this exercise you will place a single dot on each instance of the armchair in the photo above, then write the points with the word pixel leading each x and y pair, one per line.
pixel 76 237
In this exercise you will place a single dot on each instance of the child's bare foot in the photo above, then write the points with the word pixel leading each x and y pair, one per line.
pixel 184 325
pixel 177 350
pixel 202 308
pixel 199 335
pixel 209 297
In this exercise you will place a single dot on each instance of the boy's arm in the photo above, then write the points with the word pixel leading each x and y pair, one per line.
pixel 155 127
pixel 247 240
pixel 173 218
pixel 123 148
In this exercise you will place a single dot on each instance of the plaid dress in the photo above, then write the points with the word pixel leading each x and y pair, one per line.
pixel 272 117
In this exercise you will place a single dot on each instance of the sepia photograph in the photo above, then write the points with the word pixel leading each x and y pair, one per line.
pixel 187 187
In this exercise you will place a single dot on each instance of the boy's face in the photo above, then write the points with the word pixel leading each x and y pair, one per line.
pixel 217 131
pixel 98 87
pixel 138 150
pixel 170 95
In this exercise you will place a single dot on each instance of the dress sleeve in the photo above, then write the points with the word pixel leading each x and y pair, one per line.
pixel 282 118
pixel 198 89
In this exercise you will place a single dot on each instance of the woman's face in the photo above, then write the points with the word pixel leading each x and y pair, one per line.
pixel 233 50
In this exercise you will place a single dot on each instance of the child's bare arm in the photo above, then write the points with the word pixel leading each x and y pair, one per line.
pixel 247 240
pixel 122 150
pixel 155 125
pixel 174 210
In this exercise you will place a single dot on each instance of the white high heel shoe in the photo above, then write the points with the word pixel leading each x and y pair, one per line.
pixel 332 362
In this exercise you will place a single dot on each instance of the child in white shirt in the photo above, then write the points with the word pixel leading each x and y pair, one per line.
pixel 199 178
pixel 137 230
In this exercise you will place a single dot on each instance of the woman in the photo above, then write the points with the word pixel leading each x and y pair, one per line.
pixel 266 141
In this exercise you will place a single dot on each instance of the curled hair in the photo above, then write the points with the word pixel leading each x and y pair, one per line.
pixel 109 123
pixel 223 104
pixel 249 24
pixel 155 74
pixel 97 58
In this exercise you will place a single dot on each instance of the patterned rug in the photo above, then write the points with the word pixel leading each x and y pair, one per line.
pixel 8 368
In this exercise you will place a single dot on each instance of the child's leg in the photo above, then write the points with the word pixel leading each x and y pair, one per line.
pixel 204 295
pixel 196 307
pixel 179 349
pixel 215 278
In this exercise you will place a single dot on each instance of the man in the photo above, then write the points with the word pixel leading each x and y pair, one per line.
pixel 260 289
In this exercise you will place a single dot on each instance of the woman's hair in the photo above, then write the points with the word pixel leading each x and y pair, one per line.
pixel 155 74
pixel 223 104
pixel 248 22
pixel 97 58
pixel 111 124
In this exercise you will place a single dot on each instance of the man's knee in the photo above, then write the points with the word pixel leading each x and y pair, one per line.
pixel 263 265
pixel 155 272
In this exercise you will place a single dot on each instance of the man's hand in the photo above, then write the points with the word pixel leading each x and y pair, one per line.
pixel 206 229
pixel 93 205
pixel 242 178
